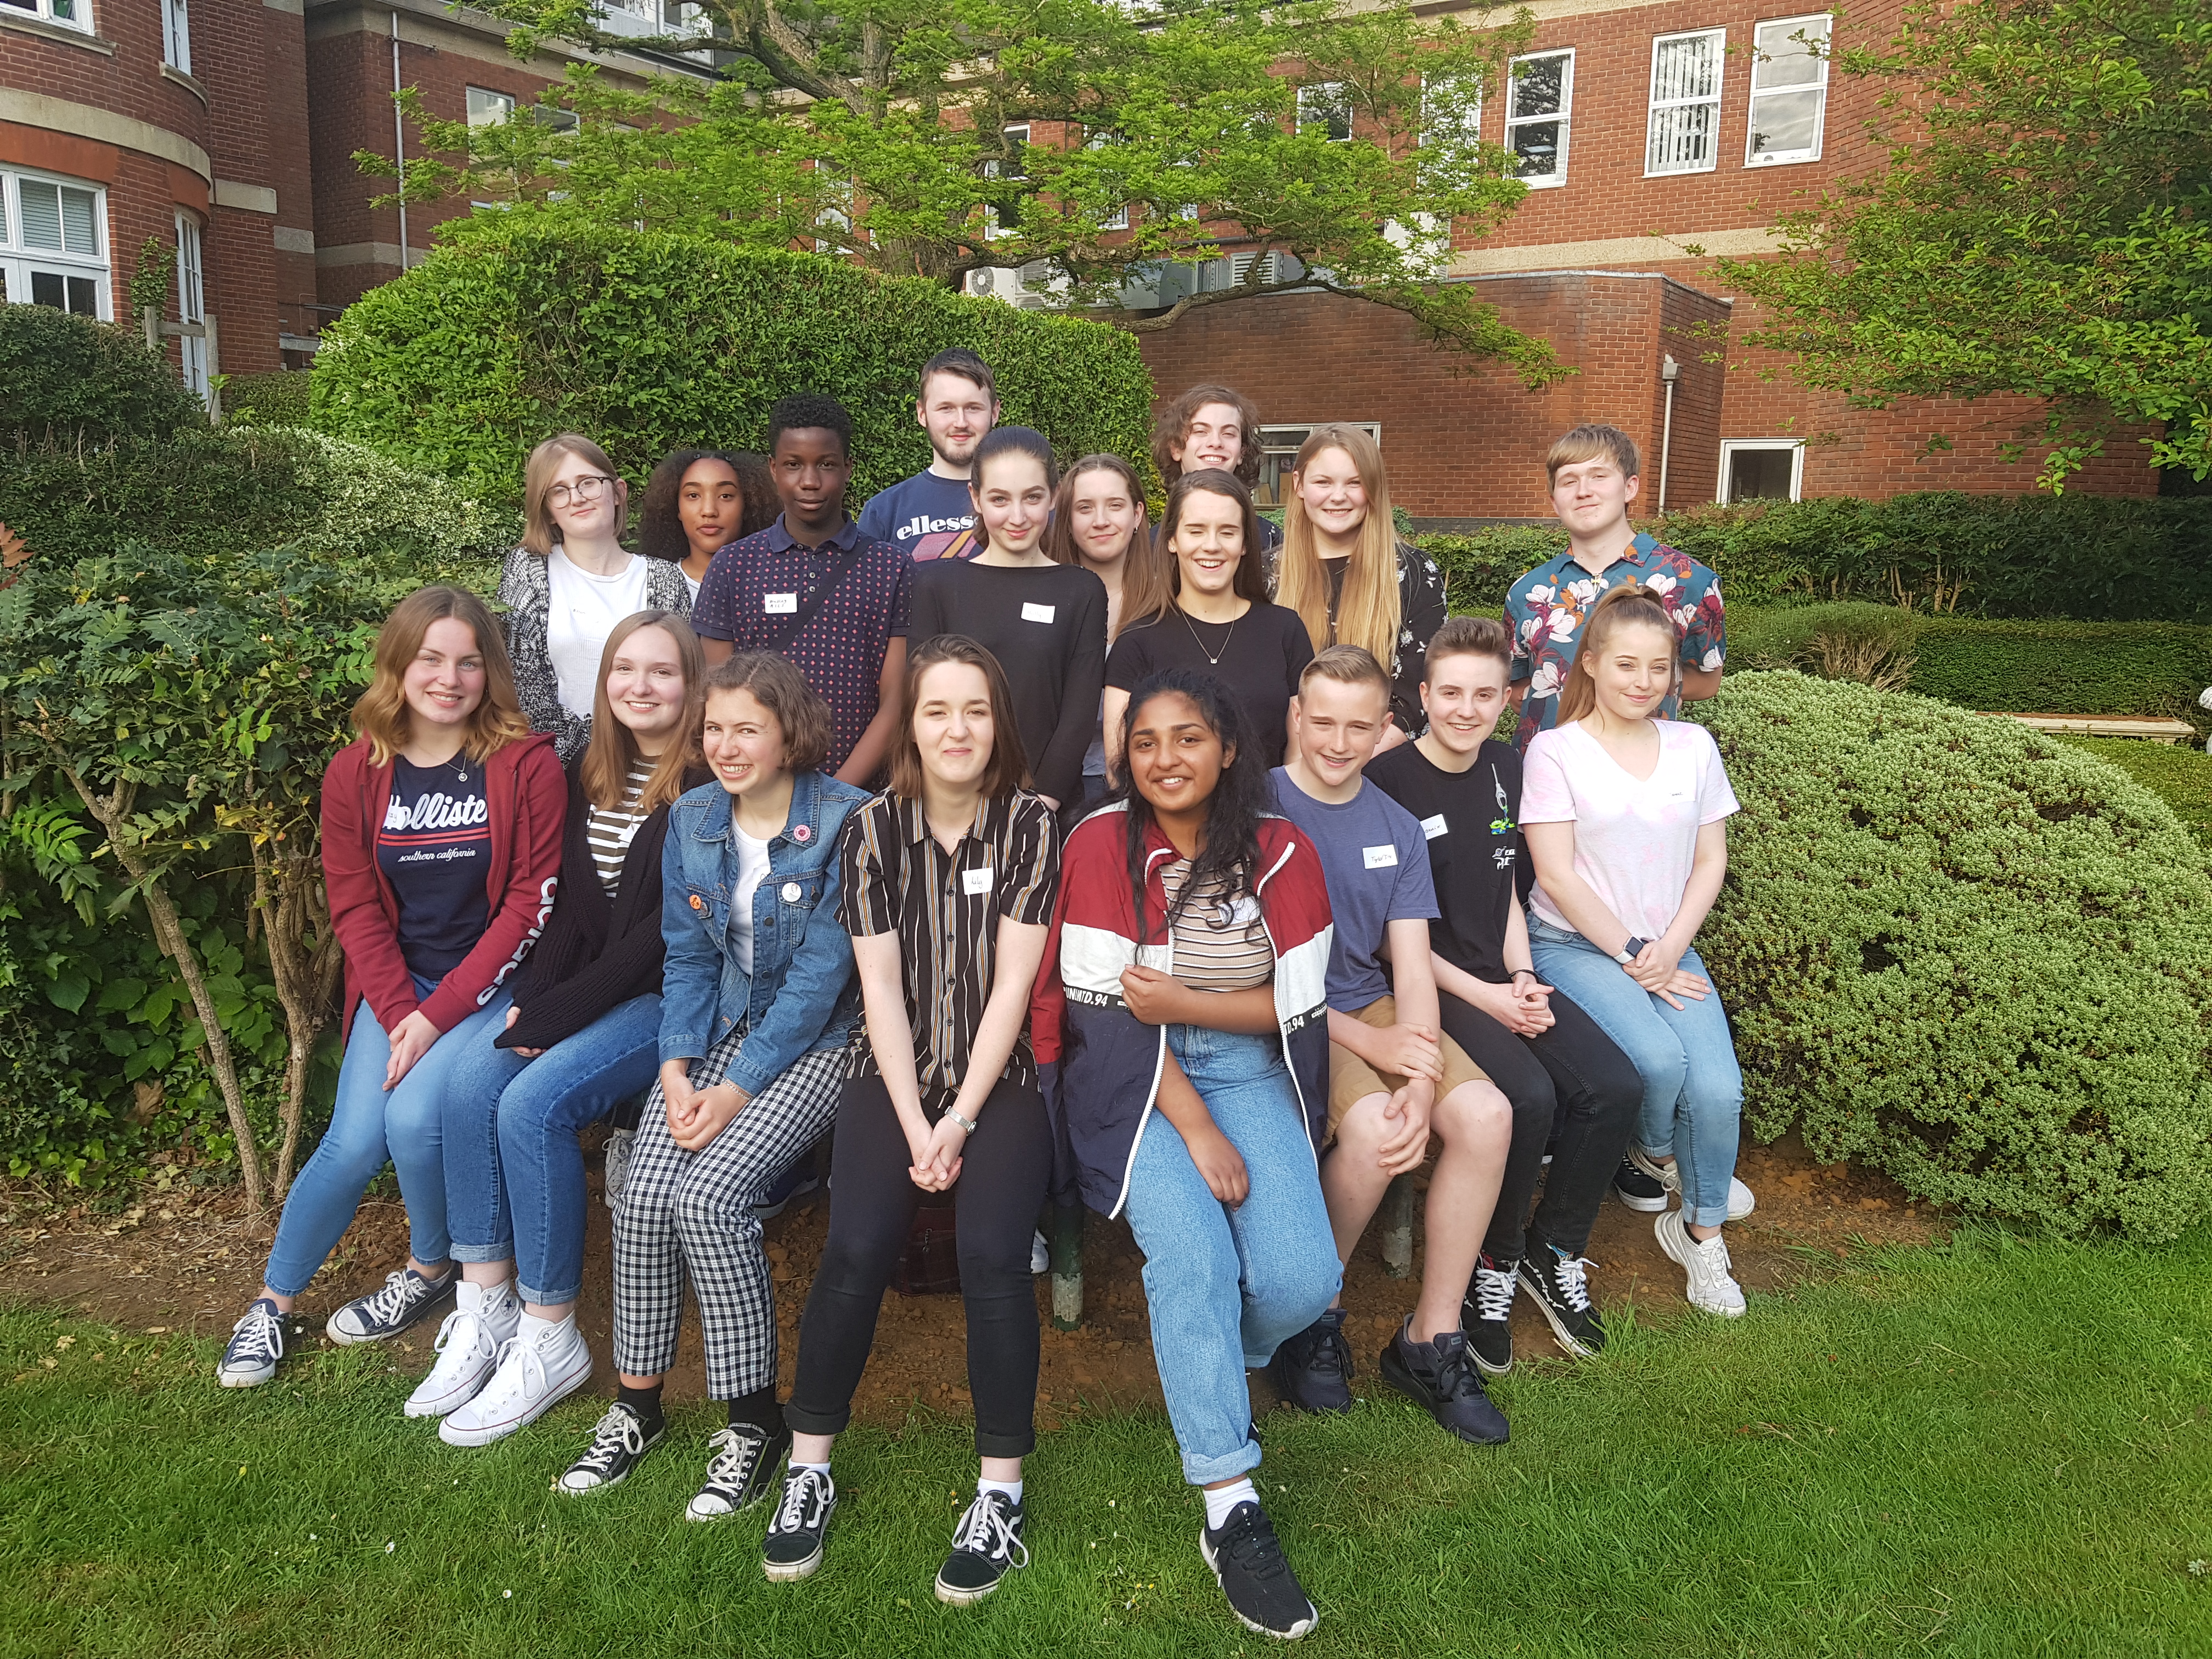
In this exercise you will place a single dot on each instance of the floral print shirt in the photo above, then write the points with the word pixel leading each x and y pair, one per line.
pixel 1544 610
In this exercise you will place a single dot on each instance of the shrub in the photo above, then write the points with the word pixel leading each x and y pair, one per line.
pixel 2179 775
pixel 277 398
pixel 1966 954
pixel 511 331
pixel 81 381
pixel 1479 568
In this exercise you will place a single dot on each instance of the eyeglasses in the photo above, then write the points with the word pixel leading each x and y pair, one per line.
pixel 586 490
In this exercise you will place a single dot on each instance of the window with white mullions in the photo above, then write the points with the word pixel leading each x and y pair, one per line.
pixel 1539 99
pixel 69 14
pixel 176 36
pixel 53 245
pixel 488 108
pixel 997 220
pixel 1761 470
pixel 1683 133
pixel 1789 90
pixel 192 309
pixel 1325 110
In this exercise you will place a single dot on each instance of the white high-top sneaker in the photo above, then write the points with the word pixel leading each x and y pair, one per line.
pixel 542 1365
pixel 484 1317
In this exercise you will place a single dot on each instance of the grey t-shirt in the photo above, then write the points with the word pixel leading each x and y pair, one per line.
pixel 1376 863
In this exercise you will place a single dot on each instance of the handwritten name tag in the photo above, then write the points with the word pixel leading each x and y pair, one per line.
pixel 1379 857
pixel 1435 826
pixel 779 604
pixel 975 881
pixel 1037 613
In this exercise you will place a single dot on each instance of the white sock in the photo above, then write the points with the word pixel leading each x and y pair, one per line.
pixel 821 1469
pixel 1012 1488
pixel 1219 1500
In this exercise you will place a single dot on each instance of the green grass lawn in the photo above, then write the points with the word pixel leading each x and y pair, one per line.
pixel 1994 1447
pixel 2180 773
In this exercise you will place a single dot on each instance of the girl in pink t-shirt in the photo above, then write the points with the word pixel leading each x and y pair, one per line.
pixel 1625 817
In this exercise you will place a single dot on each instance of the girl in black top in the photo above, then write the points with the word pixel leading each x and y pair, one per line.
pixel 1098 524
pixel 1202 604
pixel 1044 621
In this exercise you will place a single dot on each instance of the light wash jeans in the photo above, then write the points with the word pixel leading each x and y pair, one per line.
pixel 1692 1086
pixel 1226 1287
pixel 368 1126
pixel 514 1175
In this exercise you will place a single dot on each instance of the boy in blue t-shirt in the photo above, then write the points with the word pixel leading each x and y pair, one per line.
pixel 930 515
pixel 1395 1078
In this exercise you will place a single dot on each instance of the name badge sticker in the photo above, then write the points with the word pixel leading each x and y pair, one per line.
pixel 1037 613
pixel 1380 858
pixel 1434 827
pixel 975 881
pixel 780 605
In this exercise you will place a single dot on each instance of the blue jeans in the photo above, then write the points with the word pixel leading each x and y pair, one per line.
pixel 368 1126
pixel 1226 1287
pixel 1693 1087
pixel 514 1175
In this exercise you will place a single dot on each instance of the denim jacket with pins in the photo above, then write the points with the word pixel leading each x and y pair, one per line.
pixel 802 995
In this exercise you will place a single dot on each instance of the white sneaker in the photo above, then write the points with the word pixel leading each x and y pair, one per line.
pixel 1741 1203
pixel 541 1366
pixel 1712 1287
pixel 1040 1254
pixel 484 1317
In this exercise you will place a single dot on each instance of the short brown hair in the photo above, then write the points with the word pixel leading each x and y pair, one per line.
pixel 1468 637
pixel 957 360
pixel 1347 665
pixel 1587 443
pixel 381 713
pixel 777 686
pixel 604 772
pixel 1174 424
pixel 1008 768
pixel 538 480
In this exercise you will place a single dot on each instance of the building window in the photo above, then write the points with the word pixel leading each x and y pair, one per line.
pixel 70 14
pixel 1451 107
pixel 488 108
pixel 1762 469
pixel 1540 100
pixel 1789 91
pixel 176 36
pixel 191 308
pixel 53 245
pixel 1279 454
pixel 1683 132
pixel 999 221
pixel 1325 108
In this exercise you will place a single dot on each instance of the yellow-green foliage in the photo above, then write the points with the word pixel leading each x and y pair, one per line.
pixel 1968 955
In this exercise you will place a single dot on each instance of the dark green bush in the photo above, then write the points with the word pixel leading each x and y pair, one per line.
pixel 80 380
pixel 1966 954
pixel 1480 568
pixel 509 332
pixel 277 398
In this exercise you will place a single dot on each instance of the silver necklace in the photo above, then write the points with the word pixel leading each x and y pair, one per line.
pixel 1213 658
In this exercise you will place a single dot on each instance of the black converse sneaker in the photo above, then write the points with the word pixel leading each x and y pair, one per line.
pixel 797 1530
pixel 740 1472
pixel 1641 1192
pixel 1248 1562
pixel 257 1343
pixel 405 1297
pixel 1556 1282
pixel 987 1544
pixel 1487 1315
pixel 619 1445
pixel 1312 1368
pixel 1443 1376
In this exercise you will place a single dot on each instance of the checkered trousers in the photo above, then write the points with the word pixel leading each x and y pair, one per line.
pixel 683 1212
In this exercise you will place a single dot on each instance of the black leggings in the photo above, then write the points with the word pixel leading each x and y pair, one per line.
pixel 1006 1167
pixel 1572 1078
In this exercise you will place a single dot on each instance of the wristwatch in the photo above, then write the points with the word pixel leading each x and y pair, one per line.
pixel 967 1125
pixel 1630 951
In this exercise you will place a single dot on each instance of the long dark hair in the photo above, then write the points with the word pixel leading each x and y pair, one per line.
pixel 1241 799
pixel 1152 589
pixel 660 529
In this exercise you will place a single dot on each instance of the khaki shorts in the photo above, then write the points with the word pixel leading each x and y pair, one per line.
pixel 1351 1079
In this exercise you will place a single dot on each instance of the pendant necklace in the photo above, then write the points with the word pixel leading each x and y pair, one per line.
pixel 1213 658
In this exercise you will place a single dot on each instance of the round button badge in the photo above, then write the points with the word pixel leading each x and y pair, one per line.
pixel 791 892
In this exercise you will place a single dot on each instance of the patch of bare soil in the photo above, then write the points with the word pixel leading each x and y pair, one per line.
pixel 174 1261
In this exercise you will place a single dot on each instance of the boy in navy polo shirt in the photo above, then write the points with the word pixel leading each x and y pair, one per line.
pixel 1396 1078
pixel 930 515
pixel 814 587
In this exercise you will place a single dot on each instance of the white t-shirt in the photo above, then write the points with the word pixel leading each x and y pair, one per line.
pixel 1635 840
pixel 583 611
pixel 752 870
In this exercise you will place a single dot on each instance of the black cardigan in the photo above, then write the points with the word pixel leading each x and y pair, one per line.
pixel 597 953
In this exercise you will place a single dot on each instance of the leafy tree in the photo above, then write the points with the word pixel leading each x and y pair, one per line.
pixel 2040 226
pixel 1095 143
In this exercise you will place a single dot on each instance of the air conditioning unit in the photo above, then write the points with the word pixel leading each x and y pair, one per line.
pixel 995 282
pixel 1031 287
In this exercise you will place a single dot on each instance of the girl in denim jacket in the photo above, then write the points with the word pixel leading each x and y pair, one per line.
pixel 758 1000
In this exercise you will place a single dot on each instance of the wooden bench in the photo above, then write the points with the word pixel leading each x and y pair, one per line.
pixel 2149 726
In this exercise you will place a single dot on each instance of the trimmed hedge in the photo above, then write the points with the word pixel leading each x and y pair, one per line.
pixel 74 379
pixel 509 332
pixel 2179 775
pixel 279 398
pixel 1965 953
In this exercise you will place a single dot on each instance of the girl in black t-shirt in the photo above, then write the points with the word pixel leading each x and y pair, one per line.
pixel 1098 524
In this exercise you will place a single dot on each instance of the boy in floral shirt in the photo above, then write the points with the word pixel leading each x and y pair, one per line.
pixel 1594 477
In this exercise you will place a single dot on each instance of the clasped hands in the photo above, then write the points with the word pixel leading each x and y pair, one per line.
pixel 695 1116
pixel 1658 970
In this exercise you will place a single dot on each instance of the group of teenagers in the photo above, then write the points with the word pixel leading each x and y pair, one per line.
pixel 1032 850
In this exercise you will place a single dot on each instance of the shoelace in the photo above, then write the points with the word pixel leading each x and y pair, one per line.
pixel 384 1306
pixel 534 1380
pixel 1251 1543
pixel 258 1337
pixel 1493 1292
pixel 983 1531
pixel 450 1328
pixel 1456 1375
pixel 1330 1343
pixel 734 1456
pixel 617 1433
pixel 806 1488
pixel 1567 1275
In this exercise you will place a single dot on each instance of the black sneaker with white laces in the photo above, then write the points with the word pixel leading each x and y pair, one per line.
pixel 257 1343
pixel 403 1298
pixel 1638 1191
pixel 1555 1280
pixel 1487 1315
pixel 800 1525
pixel 1314 1368
pixel 1443 1376
pixel 740 1472
pixel 1248 1562
pixel 987 1544
pixel 619 1445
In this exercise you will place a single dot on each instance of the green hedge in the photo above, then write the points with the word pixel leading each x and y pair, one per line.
pixel 509 332
pixel 1966 954
pixel 2177 774
pixel 73 380
pixel 277 398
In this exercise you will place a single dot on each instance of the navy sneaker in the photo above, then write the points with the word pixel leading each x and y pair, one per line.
pixel 1314 1368
pixel 1443 1376
pixel 795 1183
pixel 405 1297
pixel 257 1343
pixel 1247 1558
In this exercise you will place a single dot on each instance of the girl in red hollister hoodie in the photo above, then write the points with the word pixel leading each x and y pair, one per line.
pixel 441 846
pixel 1181 995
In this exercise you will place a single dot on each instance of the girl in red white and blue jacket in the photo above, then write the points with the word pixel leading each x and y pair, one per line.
pixel 1181 995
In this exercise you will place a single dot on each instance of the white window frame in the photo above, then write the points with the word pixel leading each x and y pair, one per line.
pixel 176 36
pixel 1789 26
pixel 192 307
pixel 504 103
pixel 1119 219
pixel 18 258
pixel 1660 107
pixel 1471 128
pixel 1731 447
pixel 1564 116
pixel 1323 103
pixel 1279 447
pixel 993 230
pixel 62 14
